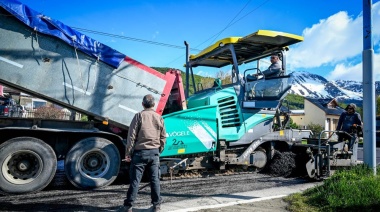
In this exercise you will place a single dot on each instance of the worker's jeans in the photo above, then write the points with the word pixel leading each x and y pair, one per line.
pixel 149 159
pixel 351 140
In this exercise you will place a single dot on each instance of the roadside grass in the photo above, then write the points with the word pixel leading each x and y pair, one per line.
pixel 356 189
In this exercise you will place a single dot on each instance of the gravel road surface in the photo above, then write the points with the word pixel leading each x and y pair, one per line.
pixel 60 195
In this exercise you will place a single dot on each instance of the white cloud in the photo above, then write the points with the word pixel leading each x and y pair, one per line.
pixel 354 72
pixel 335 42
pixel 201 73
pixel 331 40
pixel 342 71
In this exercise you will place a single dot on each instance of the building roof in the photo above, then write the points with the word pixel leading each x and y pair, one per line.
pixel 329 106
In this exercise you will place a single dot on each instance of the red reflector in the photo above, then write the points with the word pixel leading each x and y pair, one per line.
pixel 6 111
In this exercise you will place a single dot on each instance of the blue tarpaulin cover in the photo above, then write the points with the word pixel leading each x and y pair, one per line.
pixel 48 26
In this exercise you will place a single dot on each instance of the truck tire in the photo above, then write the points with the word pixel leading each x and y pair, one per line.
pixel 92 163
pixel 27 165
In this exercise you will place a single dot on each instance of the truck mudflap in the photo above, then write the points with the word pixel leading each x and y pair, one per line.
pixel 45 58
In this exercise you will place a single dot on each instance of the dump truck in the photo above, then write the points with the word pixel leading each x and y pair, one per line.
pixel 227 127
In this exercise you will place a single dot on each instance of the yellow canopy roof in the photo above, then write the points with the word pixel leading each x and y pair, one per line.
pixel 255 45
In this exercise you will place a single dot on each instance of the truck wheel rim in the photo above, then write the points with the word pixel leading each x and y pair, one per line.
pixel 94 164
pixel 22 167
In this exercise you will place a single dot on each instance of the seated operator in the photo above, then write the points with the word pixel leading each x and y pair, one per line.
pixel 273 70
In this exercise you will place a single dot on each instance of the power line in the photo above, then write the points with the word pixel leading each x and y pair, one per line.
pixel 231 21
pixel 251 11
pixel 217 34
pixel 131 39
pixel 228 25
pixel 126 38
pixel 169 45
pixel 136 40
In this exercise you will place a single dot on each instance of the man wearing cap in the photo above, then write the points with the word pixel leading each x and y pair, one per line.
pixel 146 140
pixel 347 121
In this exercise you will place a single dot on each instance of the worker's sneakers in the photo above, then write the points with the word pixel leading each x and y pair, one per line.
pixel 124 209
pixel 157 208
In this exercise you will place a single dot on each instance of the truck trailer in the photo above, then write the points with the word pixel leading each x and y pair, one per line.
pixel 238 125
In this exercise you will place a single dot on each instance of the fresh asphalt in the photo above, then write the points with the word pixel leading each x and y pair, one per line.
pixel 233 193
pixel 226 200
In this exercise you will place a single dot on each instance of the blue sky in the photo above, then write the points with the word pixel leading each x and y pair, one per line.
pixel 332 29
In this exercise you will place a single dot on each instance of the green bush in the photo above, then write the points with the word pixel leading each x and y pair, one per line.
pixel 316 129
pixel 48 113
pixel 292 124
pixel 84 117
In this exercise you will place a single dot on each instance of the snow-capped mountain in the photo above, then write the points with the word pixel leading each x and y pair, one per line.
pixel 316 86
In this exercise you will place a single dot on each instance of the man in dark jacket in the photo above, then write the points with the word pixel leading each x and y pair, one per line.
pixel 146 140
pixel 348 121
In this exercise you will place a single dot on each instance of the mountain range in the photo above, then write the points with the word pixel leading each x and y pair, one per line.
pixel 315 86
